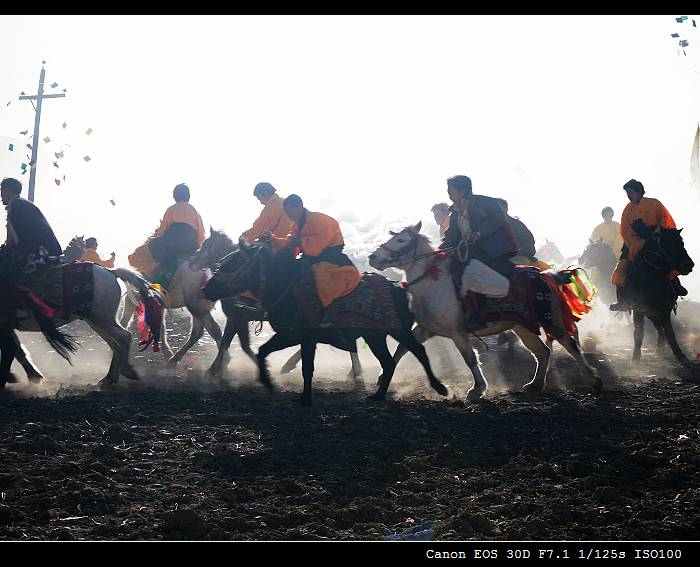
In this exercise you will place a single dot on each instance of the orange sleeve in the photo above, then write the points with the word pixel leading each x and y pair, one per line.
pixel 665 219
pixel 266 221
pixel 323 231
pixel 629 236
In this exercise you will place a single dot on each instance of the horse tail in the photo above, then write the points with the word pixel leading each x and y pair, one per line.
pixel 575 292
pixel 63 343
pixel 152 302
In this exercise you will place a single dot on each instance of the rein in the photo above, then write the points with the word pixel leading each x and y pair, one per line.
pixel 411 248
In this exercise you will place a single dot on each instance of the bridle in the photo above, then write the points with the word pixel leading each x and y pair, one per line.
pixel 651 256
pixel 411 248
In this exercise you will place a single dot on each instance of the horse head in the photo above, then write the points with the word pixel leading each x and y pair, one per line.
pixel 671 247
pixel 237 271
pixel 597 253
pixel 398 250
pixel 75 249
pixel 212 249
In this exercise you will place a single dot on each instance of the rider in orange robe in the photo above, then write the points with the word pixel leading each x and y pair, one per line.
pixel 272 218
pixel 90 254
pixel 181 213
pixel 320 240
pixel 653 214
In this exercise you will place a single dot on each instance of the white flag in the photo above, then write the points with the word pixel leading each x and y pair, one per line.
pixel 694 158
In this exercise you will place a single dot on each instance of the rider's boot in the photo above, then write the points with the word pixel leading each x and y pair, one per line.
pixel 621 304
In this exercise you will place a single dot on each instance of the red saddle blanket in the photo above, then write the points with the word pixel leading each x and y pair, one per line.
pixel 370 305
pixel 528 303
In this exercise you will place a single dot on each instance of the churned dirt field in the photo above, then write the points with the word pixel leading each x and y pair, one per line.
pixel 181 456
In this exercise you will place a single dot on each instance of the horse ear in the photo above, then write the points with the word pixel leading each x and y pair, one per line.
pixel 416 227
pixel 212 230
pixel 680 230
pixel 242 245
pixel 393 233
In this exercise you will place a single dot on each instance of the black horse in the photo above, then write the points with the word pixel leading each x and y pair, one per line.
pixel 272 278
pixel 600 258
pixel 649 291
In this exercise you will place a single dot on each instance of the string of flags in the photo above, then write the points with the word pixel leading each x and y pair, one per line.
pixel 683 43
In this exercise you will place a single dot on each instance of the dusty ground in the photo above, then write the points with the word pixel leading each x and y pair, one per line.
pixel 177 456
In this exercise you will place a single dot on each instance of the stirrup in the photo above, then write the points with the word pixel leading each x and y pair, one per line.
pixel 619 306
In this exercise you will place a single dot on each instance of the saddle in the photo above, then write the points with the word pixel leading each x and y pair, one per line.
pixel 369 306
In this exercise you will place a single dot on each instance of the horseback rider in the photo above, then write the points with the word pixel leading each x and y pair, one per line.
pixel 609 231
pixel 441 214
pixel 31 248
pixel 524 240
pixel 319 239
pixel 180 234
pixel 641 217
pixel 272 218
pixel 90 254
pixel 483 240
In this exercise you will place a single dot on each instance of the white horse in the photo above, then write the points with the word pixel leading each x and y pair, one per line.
pixel 184 291
pixel 106 297
pixel 438 311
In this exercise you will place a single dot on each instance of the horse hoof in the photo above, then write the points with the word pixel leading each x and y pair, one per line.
pixel 375 398
pixel 267 383
pixel 439 387
pixel 106 383
pixel 35 378
pixel 533 388
pixel 474 394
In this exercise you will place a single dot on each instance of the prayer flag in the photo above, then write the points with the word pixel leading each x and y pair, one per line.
pixel 54 85
pixel 58 155
pixel 683 43
pixel 112 201
pixel 88 131
pixel 47 140
pixel 87 158
pixel 29 146
pixel 64 125
pixel 674 35
pixel 679 20
pixel 12 147
pixel 55 164
pixel 8 104
pixel 694 24
pixel 24 133
pixel 58 181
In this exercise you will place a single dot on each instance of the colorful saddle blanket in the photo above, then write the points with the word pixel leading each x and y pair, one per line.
pixel 370 305
pixel 65 291
pixel 528 303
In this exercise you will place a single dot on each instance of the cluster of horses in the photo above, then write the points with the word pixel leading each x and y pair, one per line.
pixel 222 270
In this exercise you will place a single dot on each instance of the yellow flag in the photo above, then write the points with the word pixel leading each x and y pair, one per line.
pixel 694 158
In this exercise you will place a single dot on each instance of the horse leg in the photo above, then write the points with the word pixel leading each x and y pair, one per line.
pixel 8 346
pixel 195 334
pixel 541 352
pixel 377 344
pixel 421 334
pixel 244 340
pixel 22 356
pixel 463 344
pixel 418 350
pixel 212 327
pixel 277 342
pixel 589 374
pixel 658 325
pixel 120 351
pixel 355 368
pixel 638 335
pixel 230 331
pixel 166 348
pixel 128 312
pixel 291 363
pixel 671 337
pixel 308 352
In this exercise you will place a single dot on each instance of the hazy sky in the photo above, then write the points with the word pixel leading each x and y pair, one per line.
pixel 360 115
